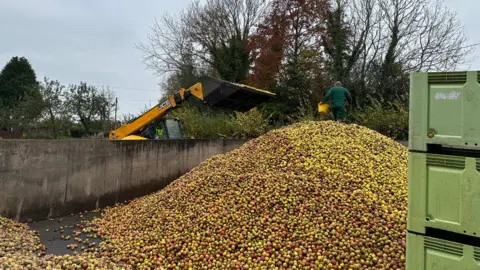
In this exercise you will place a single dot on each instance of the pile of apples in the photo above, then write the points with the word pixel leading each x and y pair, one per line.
pixel 314 195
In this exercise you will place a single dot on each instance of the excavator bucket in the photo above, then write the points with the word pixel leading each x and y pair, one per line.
pixel 231 96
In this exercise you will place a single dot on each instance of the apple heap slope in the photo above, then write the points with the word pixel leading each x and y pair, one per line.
pixel 16 238
pixel 314 195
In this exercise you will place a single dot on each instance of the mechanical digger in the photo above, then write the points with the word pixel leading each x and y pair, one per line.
pixel 211 91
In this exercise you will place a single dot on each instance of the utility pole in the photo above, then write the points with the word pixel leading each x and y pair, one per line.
pixel 116 106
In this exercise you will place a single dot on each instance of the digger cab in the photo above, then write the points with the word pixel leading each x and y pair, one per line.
pixel 167 128
pixel 173 128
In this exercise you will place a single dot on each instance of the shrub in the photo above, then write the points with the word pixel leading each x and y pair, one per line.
pixel 77 132
pixel 212 124
pixel 248 125
pixel 388 118
pixel 203 124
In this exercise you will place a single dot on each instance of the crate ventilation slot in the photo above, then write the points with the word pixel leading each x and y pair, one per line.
pixel 478 76
pixel 447 77
pixel 444 246
pixel 478 164
pixel 476 253
pixel 447 161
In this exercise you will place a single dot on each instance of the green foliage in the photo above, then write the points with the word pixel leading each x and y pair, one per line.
pixel 305 112
pixel 290 105
pixel 89 104
pixel 248 125
pixel 280 109
pixel 387 118
pixel 211 124
pixel 336 44
pixel 17 81
pixel 43 128
pixel 185 75
pixel 232 60
pixel 177 80
pixel 199 124
pixel 77 132
pixel 25 113
pixel 21 102
pixel 297 49
pixel 28 110
pixel 52 92
pixel 277 112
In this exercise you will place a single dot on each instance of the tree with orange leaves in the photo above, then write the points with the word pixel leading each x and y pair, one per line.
pixel 288 56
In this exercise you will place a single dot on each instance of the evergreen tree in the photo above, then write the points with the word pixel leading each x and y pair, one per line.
pixel 232 60
pixel 20 99
pixel 17 81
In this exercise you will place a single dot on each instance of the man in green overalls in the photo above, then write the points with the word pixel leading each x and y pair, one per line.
pixel 339 95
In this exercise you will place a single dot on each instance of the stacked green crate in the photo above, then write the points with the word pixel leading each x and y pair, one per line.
pixel 444 171
pixel 444 109
pixel 429 253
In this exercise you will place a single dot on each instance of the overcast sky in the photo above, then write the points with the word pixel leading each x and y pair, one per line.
pixel 86 40
pixel 93 41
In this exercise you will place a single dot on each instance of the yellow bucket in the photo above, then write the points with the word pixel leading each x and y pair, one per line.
pixel 323 108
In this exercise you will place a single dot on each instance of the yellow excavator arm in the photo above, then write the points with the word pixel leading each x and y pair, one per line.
pixel 156 113
pixel 213 92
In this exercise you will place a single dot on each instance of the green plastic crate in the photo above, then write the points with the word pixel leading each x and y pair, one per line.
pixel 445 105
pixel 427 253
pixel 443 193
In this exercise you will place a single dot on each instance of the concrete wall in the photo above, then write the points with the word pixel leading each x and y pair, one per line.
pixel 47 178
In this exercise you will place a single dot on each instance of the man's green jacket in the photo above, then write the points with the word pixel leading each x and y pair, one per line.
pixel 339 95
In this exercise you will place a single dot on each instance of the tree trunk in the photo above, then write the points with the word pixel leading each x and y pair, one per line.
pixel 52 119
pixel 85 125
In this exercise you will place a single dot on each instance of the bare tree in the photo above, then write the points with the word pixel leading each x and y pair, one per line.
pixel 222 29
pixel 351 43
pixel 366 41
pixel 168 47
pixel 390 38
pixel 105 103
pixel 52 92
pixel 89 104
pixel 217 21
pixel 365 44
pixel 433 40
pixel 423 36
pixel 194 41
